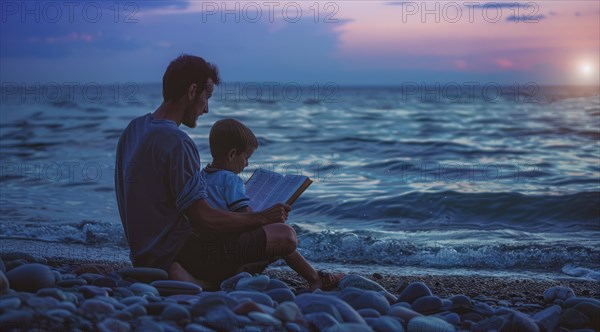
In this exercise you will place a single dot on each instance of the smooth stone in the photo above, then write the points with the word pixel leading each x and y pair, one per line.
pixel 13 256
pixel 66 305
pixel 105 282
pixel 520 322
pixel 209 301
pixel 484 309
pixel 390 297
pixel 321 320
pixel 360 283
pixel 460 300
pixel 72 282
pixel 258 283
pixel 10 304
pixel 350 327
pixel 361 299
pixel 264 318
pixel 42 303
pixel 94 307
pixel 4 284
pixel 124 283
pixel 155 308
pixel 402 312
pixel 73 298
pixel 92 291
pixel 90 277
pixel 428 323
pixel 427 304
pixel 16 319
pixel 576 300
pixel 348 313
pixel 414 291
pixel 275 284
pixel 281 295
pixel 368 312
pixel 451 317
pixel 293 327
pixel 558 292
pixel 57 276
pixel 59 314
pixel 254 296
pixel 221 318
pixel 183 298
pixel 11 265
pixel 193 327
pixel 30 277
pixel 52 292
pixel 136 310
pixel 134 300
pixel 172 287
pixel 230 284
pixel 139 288
pixel 573 319
pixel 287 312
pixel 176 313
pixel 592 311
pixel 387 324
pixel 122 315
pixel 246 307
pixel 548 318
pixel 144 274
pixel 494 323
pixel 2 266
pixel 112 325
pixel 147 324
pixel 123 292
pixel 472 316
pixel 114 302
pixel 327 308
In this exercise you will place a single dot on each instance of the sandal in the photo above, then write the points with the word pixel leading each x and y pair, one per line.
pixel 330 281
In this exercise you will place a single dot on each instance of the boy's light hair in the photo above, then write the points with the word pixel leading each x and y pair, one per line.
pixel 227 134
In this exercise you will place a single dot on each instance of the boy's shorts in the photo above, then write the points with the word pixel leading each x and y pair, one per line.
pixel 215 257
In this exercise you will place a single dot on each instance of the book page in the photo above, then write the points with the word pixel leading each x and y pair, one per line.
pixel 284 190
pixel 260 185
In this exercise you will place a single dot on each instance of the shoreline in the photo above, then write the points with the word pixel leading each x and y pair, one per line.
pixel 515 290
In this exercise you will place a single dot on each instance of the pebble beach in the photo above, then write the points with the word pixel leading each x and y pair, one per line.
pixel 37 294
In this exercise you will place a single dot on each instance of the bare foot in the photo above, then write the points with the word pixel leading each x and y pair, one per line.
pixel 178 273
pixel 326 281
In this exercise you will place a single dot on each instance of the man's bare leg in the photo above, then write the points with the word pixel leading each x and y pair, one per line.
pixel 178 273
pixel 281 243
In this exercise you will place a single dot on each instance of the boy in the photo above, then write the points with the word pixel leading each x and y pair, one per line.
pixel 231 145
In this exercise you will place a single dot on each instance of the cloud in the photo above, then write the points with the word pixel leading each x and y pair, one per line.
pixel 500 5
pixel 525 18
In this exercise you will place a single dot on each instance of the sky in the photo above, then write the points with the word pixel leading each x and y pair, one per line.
pixel 345 42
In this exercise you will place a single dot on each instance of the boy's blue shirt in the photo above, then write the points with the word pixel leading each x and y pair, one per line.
pixel 225 189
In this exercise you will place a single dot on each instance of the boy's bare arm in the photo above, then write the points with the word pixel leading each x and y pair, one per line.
pixel 200 213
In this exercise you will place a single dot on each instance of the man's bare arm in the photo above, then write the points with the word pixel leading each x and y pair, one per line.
pixel 201 214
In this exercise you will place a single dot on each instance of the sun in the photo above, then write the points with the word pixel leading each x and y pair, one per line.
pixel 585 69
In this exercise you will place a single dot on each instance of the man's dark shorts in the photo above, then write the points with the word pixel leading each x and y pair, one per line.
pixel 215 257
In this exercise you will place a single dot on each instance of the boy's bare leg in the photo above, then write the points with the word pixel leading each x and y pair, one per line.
pixel 281 243
pixel 178 273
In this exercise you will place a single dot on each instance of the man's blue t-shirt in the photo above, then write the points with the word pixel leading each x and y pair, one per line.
pixel 225 189
pixel 157 177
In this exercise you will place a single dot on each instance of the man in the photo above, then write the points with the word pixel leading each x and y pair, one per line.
pixel 161 193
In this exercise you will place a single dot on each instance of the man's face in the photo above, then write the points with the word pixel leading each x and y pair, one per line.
pixel 199 106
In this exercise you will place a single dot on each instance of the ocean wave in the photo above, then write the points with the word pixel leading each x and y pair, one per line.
pixel 496 254
pixel 501 250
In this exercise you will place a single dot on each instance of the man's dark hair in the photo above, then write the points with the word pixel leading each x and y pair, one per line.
pixel 227 134
pixel 183 72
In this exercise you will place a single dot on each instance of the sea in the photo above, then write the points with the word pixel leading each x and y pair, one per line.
pixel 442 178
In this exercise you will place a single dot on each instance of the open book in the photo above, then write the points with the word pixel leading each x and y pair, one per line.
pixel 265 188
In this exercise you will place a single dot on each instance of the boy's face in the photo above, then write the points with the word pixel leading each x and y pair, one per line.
pixel 240 160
